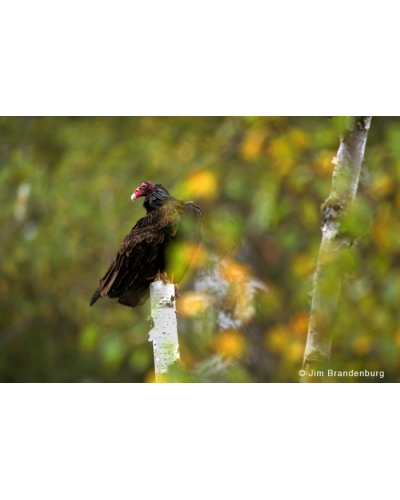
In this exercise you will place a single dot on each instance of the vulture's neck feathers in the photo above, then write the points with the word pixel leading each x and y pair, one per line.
pixel 157 198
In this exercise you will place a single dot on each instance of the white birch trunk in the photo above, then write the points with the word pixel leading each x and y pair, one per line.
pixel 326 282
pixel 164 331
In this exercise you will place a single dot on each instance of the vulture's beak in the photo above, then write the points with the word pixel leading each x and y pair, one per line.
pixel 136 194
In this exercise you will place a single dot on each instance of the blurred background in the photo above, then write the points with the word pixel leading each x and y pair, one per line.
pixel 65 187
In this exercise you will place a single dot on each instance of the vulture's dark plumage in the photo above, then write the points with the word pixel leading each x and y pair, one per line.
pixel 146 249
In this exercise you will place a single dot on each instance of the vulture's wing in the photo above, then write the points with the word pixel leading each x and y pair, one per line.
pixel 184 245
pixel 141 255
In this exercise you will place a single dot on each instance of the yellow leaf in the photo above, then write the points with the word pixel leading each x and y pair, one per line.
pixel 362 345
pixel 300 323
pixel 295 351
pixel 299 138
pixel 383 185
pixel 232 270
pixel 230 343
pixel 303 265
pixel 251 147
pixel 150 378
pixel 323 162
pixel 276 339
pixel 192 304
pixel 200 184
pixel 281 154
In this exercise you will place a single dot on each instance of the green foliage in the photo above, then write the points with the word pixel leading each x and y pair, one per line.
pixel 65 186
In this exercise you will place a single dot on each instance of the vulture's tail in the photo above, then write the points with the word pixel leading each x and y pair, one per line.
pixel 95 296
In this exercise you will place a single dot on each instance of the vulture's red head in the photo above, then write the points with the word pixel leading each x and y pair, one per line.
pixel 143 190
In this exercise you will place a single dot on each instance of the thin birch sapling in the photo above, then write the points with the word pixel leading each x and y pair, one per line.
pixel 164 329
pixel 326 280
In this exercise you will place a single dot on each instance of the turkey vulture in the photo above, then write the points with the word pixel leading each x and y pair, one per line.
pixel 152 246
